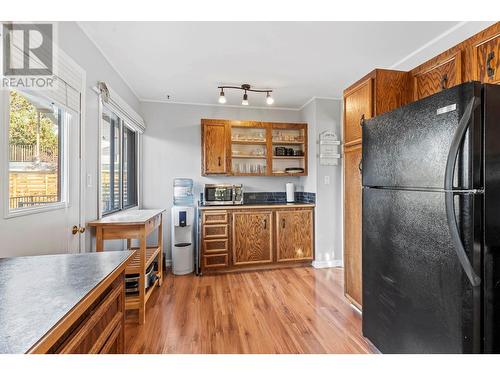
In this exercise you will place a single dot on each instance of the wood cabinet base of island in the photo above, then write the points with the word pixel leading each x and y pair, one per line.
pixel 95 326
pixel 253 238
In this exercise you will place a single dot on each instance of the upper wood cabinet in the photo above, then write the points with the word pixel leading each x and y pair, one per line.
pixel 358 104
pixel 253 148
pixel 252 237
pixel 486 59
pixel 442 75
pixel 214 143
pixel 378 92
pixel 294 235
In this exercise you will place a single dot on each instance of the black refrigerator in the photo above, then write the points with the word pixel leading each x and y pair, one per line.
pixel 431 224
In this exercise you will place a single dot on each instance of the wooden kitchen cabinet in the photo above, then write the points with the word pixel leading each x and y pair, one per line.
pixel 214 240
pixel 443 74
pixel 214 143
pixel 486 59
pixel 352 225
pixel 358 104
pixel 378 92
pixel 477 58
pixel 259 237
pixel 253 148
pixel 294 240
pixel 252 237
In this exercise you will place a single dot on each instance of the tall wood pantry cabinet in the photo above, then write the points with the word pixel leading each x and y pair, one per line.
pixel 376 93
pixel 477 58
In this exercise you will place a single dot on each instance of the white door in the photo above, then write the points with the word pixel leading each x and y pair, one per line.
pixel 40 176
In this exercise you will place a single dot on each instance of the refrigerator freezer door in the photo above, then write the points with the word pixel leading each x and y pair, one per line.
pixel 409 147
pixel 416 296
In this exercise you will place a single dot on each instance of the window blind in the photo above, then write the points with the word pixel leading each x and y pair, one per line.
pixel 121 108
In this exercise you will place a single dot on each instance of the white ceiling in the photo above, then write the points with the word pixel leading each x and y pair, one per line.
pixel 299 60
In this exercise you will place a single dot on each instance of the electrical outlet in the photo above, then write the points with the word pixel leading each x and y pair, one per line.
pixel 327 180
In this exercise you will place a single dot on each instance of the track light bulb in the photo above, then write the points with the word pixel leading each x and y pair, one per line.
pixel 269 99
pixel 245 99
pixel 222 97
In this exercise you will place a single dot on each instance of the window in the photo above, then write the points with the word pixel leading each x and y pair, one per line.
pixel 35 152
pixel 118 164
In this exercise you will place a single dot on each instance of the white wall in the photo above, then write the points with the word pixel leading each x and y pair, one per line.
pixel 73 41
pixel 79 47
pixel 172 148
pixel 321 115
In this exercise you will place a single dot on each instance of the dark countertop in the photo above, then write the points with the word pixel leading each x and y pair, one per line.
pixel 255 204
pixel 37 292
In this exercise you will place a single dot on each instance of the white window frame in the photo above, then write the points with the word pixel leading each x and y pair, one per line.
pixel 138 135
pixel 66 201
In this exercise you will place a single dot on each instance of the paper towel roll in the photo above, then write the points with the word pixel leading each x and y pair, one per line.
pixel 290 192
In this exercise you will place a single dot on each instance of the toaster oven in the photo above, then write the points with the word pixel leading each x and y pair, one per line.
pixel 222 194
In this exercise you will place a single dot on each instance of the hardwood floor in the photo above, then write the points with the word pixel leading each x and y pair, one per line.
pixel 294 310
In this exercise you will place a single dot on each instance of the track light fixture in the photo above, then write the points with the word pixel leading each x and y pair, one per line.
pixel 245 99
pixel 222 97
pixel 245 87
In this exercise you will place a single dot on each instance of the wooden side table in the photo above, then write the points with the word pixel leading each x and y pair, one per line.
pixel 129 225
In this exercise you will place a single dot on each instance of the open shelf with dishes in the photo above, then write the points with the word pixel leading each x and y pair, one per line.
pixel 254 148
pixel 249 150
pixel 289 151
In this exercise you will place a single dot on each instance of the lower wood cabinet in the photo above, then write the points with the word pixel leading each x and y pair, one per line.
pixel 258 238
pixel 294 237
pixel 252 237
pixel 97 330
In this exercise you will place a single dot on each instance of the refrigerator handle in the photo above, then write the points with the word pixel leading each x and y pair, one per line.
pixel 463 125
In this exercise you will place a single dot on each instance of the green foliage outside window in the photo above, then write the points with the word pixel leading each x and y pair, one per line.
pixel 24 121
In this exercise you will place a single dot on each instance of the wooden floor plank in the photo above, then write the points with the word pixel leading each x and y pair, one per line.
pixel 292 310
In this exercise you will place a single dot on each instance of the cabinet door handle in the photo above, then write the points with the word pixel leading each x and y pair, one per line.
pixel 360 167
pixel 362 120
pixel 489 70
pixel 444 81
pixel 265 223
pixel 283 223
pixel 219 161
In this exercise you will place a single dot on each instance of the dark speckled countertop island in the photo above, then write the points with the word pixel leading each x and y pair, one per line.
pixel 37 292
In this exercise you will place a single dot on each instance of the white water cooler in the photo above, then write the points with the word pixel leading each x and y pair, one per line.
pixel 183 240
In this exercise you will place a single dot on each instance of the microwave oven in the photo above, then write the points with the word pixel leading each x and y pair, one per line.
pixel 222 194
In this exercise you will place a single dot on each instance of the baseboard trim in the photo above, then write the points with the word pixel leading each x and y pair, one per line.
pixel 168 262
pixel 327 263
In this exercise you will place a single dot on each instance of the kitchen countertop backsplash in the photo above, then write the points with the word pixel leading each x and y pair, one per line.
pixel 274 197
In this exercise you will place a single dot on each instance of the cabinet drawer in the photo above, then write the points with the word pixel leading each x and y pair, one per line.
pixel 92 333
pixel 215 217
pixel 442 75
pixel 215 231
pixel 486 60
pixel 215 261
pixel 215 246
pixel 358 104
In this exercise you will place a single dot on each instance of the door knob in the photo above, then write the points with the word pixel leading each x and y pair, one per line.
pixel 77 229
